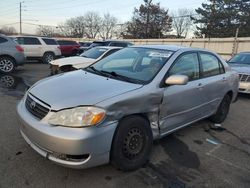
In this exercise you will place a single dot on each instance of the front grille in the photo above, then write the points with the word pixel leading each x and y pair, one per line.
pixel 244 77
pixel 35 108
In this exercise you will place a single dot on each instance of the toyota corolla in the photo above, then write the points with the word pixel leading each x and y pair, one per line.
pixel 112 110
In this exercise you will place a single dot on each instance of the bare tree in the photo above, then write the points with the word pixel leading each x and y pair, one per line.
pixel 73 27
pixel 8 30
pixel 93 24
pixel 182 22
pixel 46 31
pixel 108 28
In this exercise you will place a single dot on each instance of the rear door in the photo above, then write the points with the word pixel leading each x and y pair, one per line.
pixel 182 104
pixel 214 81
pixel 31 45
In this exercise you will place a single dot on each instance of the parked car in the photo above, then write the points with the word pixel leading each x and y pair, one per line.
pixel 85 59
pixel 111 111
pixel 39 48
pixel 11 54
pixel 111 43
pixel 68 47
pixel 241 64
pixel 13 85
pixel 84 46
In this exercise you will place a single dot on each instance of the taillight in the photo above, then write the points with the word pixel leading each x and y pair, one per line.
pixel 19 48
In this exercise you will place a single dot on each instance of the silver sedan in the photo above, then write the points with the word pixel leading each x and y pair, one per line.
pixel 112 110
pixel 241 64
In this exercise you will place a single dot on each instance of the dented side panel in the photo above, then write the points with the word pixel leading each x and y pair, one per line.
pixel 142 101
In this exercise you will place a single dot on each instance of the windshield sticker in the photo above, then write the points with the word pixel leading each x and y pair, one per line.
pixel 160 54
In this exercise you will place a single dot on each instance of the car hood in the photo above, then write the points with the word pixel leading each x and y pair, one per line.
pixel 78 88
pixel 75 61
pixel 240 68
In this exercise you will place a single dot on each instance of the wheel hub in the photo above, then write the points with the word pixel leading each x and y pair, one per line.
pixel 6 65
pixel 133 143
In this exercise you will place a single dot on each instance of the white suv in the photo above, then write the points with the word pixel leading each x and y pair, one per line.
pixel 39 48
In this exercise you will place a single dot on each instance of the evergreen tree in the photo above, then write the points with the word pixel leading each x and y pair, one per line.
pixel 149 21
pixel 221 18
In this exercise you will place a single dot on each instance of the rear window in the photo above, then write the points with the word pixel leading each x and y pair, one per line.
pixel 94 53
pixel 94 44
pixel 119 44
pixel 3 40
pixel 50 41
pixel 66 42
pixel 28 41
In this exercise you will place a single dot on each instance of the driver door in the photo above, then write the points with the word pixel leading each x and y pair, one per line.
pixel 182 104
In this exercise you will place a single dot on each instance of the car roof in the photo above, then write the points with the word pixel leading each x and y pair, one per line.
pixel 171 47
pixel 32 36
pixel 109 47
pixel 161 47
pixel 100 41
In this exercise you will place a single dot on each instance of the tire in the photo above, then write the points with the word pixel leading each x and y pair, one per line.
pixel 222 111
pixel 48 57
pixel 7 64
pixel 132 143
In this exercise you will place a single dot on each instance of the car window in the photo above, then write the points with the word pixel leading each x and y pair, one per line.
pixel 50 41
pixel 110 52
pixel 119 44
pixel 187 64
pixel 66 42
pixel 94 44
pixel 243 58
pixel 3 40
pixel 127 62
pixel 93 53
pixel 28 41
pixel 211 65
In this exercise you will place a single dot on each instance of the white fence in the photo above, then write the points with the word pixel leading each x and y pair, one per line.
pixel 226 47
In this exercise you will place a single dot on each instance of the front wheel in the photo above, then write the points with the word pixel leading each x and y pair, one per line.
pixel 48 57
pixel 222 111
pixel 7 64
pixel 132 143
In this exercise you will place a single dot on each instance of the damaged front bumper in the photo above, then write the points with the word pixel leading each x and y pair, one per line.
pixel 70 147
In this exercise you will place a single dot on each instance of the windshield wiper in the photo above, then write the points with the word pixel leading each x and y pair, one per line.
pixel 119 76
pixel 96 71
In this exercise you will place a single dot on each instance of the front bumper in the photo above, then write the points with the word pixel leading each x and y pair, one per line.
pixel 56 143
pixel 244 87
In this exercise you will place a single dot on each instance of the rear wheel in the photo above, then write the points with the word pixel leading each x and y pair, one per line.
pixel 7 64
pixel 48 57
pixel 132 143
pixel 222 111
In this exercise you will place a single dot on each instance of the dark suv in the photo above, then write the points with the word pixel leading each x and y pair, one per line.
pixel 11 54
pixel 111 43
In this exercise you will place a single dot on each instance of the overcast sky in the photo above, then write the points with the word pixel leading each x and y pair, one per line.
pixel 54 12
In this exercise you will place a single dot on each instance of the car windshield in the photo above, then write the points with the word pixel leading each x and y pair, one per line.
pixel 243 58
pixel 94 53
pixel 137 65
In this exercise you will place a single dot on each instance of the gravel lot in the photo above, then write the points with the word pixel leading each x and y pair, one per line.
pixel 182 159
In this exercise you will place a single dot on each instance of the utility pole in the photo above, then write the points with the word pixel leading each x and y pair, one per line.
pixel 20 17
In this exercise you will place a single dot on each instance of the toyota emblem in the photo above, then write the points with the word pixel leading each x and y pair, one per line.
pixel 32 104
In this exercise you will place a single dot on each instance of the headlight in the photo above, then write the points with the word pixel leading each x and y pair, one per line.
pixel 78 117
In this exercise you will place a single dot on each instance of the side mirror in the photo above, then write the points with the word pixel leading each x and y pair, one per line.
pixel 177 80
